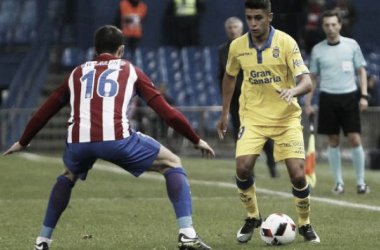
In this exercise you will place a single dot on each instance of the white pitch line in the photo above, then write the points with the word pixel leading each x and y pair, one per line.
pixel 155 176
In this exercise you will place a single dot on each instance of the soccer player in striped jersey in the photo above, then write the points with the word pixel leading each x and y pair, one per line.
pixel 271 61
pixel 100 93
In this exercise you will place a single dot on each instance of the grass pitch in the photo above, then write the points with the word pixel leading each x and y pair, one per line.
pixel 114 210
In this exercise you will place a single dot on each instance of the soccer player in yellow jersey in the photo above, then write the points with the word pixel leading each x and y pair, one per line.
pixel 271 61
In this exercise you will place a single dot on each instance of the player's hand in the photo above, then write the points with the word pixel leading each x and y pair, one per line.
pixel 286 94
pixel 363 104
pixel 15 147
pixel 206 150
pixel 222 126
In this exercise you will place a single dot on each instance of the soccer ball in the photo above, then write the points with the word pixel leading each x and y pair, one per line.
pixel 278 229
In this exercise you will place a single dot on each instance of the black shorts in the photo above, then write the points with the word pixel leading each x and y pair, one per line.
pixel 338 111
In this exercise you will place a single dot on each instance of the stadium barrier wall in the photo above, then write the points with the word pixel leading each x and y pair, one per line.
pixel 203 118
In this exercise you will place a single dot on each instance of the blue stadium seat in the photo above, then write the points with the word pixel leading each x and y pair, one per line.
pixel 90 54
pixel 170 66
pixel 147 59
pixel 7 19
pixel 72 57
pixel 67 36
pixel 28 17
pixel 373 58
pixel 200 71
pixel 193 60
pixel 24 34
pixel 211 59
pixel 5 34
pixel 374 68
pixel 29 12
pixel 10 6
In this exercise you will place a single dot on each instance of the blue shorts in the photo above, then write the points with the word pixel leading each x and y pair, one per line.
pixel 135 154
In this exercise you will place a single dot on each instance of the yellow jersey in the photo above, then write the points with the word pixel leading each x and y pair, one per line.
pixel 273 66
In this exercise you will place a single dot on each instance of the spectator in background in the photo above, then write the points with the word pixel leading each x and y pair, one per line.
pixel 312 32
pixel 373 91
pixel 234 29
pixel 348 13
pixel 129 18
pixel 337 60
pixel 184 18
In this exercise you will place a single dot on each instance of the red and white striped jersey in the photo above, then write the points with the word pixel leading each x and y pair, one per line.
pixel 100 96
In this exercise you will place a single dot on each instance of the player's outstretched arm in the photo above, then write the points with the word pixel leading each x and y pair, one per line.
pixel 206 150
pixel 14 148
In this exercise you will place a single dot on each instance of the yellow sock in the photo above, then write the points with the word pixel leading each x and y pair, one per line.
pixel 249 201
pixel 302 206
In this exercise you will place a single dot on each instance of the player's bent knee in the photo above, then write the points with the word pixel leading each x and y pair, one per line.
pixel 298 180
pixel 69 175
pixel 168 158
pixel 243 172
pixel 175 160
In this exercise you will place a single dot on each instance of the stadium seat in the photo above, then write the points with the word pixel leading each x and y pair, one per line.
pixel 147 60
pixel 10 6
pixel 23 34
pixel 7 19
pixel 67 35
pixel 211 59
pixel 72 57
pixel 170 66
pixel 29 12
pixel 89 55
pixel 5 34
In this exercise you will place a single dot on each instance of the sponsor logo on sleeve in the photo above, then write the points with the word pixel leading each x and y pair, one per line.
pixel 296 50
pixel 298 63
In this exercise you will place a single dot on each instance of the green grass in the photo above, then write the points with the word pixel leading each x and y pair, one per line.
pixel 123 212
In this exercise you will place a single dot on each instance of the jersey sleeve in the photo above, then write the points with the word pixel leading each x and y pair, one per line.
pixel 359 60
pixel 314 66
pixel 56 101
pixel 294 58
pixel 233 65
pixel 144 86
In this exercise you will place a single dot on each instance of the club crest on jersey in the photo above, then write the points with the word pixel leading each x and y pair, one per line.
pixel 241 132
pixel 276 52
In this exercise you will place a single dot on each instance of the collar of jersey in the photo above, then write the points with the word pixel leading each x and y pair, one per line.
pixel 105 57
pixel 266 45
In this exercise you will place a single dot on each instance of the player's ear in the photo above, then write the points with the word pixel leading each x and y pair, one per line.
pixel 270 16
pixel 120 51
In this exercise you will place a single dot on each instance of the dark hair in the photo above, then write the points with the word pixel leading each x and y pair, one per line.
pixel 108 39
pixel 258 4
pixel 331 13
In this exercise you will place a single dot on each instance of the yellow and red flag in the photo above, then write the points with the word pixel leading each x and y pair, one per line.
pixel 310 158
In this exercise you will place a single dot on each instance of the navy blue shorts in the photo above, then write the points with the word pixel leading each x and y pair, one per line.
pixel 135 154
